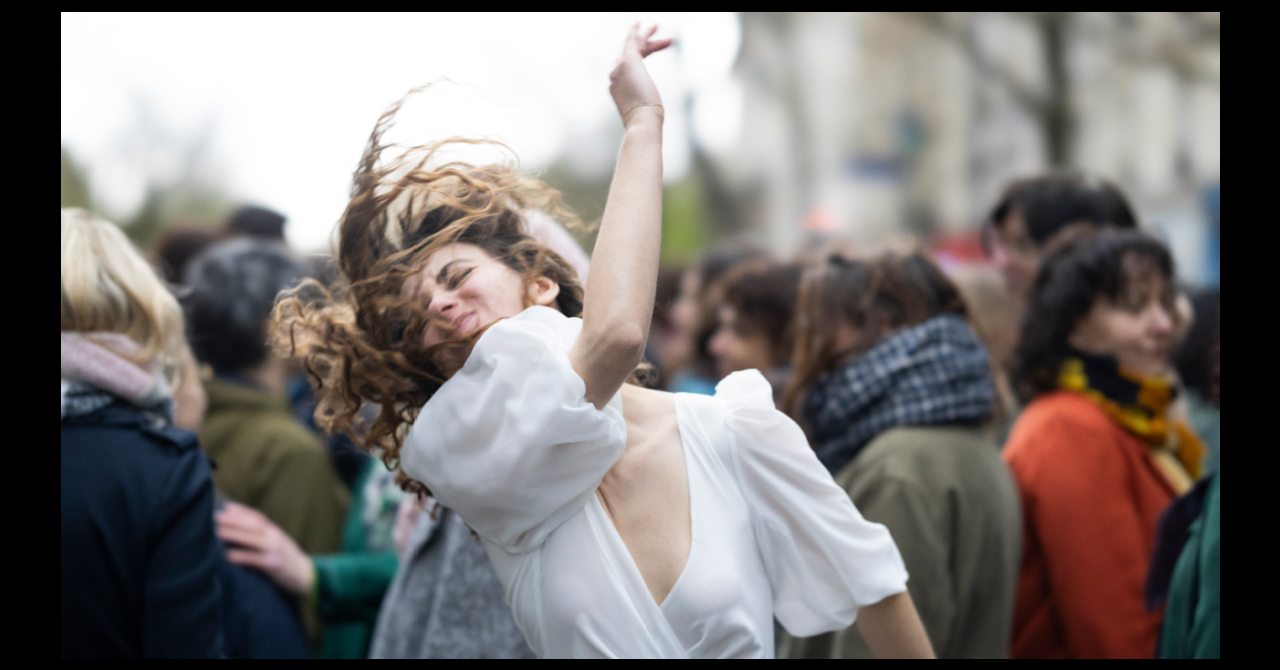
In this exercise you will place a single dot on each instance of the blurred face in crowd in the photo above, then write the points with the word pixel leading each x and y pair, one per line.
pixel 678 346
pixel 468 289
pixel 736 347
pixel 1138 327
pixel 684 309
pixel 1016 254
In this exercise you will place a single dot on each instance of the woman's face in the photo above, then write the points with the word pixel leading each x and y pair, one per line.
pixel 1016 255
pixel 1137 328
pixel 469 289
pixel 736 348
pixel 684 310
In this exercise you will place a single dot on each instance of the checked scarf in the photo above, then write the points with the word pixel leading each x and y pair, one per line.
pixel 935 373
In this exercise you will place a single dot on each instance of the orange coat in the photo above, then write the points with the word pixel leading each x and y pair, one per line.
pixel 1091 495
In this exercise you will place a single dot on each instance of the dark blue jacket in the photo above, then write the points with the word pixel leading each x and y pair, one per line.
pixel 139 555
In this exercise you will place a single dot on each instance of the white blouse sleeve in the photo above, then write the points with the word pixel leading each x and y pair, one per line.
pixel 510 442
pixel 823 559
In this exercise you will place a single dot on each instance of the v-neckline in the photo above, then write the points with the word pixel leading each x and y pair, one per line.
pixel 693 523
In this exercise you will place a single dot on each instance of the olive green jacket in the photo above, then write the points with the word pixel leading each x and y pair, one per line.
pixel 267 460
pixel 952 508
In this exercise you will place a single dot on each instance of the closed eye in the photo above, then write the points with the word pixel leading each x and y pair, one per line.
pixel 454 280
pixel 451 278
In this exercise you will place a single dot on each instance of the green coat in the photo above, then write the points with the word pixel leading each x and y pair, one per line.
pixel 350 585
pixel 267 460
pixel 1193 613
pixel 952 508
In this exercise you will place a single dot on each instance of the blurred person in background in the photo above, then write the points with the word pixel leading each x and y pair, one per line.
pixel 894 388
pixel 1032 211
pixel 344 589
pixel 664 339
pixel 178 246
pixel 1186 571
pixel 754 325
pixel 1095 453
pixel 995 320
pixel 689 366
pixel 266 459
pixel 256 221
pixel 1196 367
pixel 446 601
pixel 139 557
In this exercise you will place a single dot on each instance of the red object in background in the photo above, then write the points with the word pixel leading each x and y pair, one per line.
pixel 951 251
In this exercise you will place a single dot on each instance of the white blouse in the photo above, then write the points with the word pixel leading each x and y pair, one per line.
pixel 511 444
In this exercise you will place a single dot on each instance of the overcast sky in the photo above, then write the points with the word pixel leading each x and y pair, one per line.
pixel 287 101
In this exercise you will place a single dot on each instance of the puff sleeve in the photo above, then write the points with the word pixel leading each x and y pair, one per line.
pixel 823 559
pixel 510 442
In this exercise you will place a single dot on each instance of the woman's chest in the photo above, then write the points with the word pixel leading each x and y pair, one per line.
pixel 718 603
pixel 722 604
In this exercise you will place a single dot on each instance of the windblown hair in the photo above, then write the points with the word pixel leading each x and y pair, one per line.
pixel 884 293
pixel 361 338
pixel 107 286
pixel 1076 274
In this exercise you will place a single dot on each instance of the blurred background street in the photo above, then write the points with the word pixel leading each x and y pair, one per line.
pixel 780 127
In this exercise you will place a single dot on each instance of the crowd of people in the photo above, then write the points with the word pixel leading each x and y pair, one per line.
pixel 446 442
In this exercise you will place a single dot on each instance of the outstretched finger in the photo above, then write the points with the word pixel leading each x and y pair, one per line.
pixel 655 46
pixel 633 39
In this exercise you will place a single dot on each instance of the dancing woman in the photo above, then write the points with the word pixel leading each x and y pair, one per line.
pixel 621 521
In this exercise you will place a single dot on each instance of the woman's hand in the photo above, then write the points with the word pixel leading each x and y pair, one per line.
pixel 255 542
pixel 632 89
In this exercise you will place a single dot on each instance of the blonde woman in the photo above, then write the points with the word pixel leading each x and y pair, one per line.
pixel 139 557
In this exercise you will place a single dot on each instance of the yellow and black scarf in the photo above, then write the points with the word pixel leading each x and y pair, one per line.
pixel 1140 404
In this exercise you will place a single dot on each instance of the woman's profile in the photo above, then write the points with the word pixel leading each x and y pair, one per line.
pixel 621 521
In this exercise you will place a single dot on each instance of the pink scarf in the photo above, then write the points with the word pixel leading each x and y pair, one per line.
pixel 92 359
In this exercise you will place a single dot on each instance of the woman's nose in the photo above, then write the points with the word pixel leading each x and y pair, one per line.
pixel 1162 321
pixel 716 345
pixel 442 303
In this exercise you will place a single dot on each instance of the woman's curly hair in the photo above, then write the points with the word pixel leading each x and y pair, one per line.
pixel 361 338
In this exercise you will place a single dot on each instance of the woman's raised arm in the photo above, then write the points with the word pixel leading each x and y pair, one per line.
pixel 624 266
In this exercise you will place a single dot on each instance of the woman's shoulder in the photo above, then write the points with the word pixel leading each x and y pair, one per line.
pixel 537 322
pixel 1058 411
pixel 1062 423
pixel 741 424
pixel 738 397
pixel 746 390
pixel 933 457
pixel 119 455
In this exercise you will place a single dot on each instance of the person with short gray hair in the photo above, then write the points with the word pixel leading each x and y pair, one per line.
pixel 266 459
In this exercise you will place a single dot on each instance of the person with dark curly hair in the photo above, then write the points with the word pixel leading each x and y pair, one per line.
pixel 1096 454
